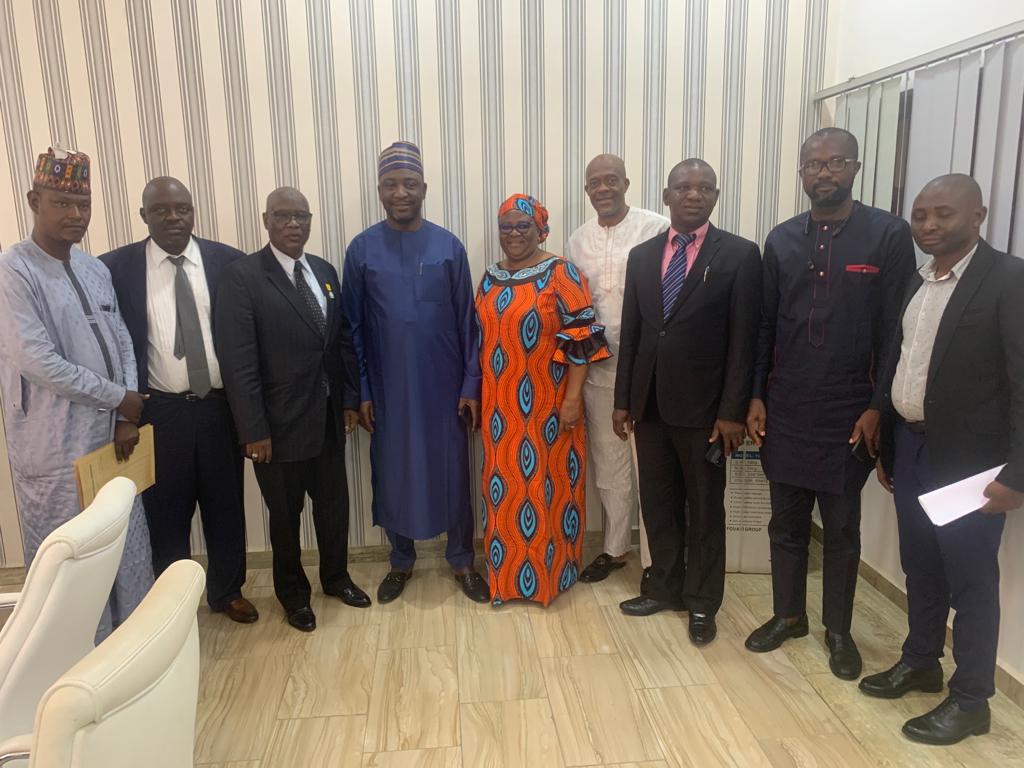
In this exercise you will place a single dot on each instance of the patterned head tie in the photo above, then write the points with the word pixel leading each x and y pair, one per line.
pixel 402 155
pixel 64 171
pixel 532 208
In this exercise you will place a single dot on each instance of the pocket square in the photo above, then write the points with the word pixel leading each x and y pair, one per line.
pixel 864 269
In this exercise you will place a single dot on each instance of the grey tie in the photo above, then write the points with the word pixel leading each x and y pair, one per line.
pixel 312 305
pixel 188 337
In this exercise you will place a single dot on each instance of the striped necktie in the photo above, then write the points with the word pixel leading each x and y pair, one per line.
pixel 672 282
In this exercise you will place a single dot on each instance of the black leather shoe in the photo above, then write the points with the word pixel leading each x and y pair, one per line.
pixel 303 619
pixel 901 679
pixel 948 724
pixel 473 586
pixel 645 582
pixel 602 566
pixel 774 633
pixel 392 586
pixel 352 595
pixel 843 657
pixel 647 606
pixel 702 628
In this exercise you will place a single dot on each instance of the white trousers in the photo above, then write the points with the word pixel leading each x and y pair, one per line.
pixel 614 465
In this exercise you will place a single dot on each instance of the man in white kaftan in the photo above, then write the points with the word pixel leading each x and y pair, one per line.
pixel 600 248
pixel 67 372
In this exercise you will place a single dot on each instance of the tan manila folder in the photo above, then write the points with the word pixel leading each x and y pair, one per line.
pixel 95 469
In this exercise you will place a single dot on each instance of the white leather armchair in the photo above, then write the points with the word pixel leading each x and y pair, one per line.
pixel 55 616
pixel 132 701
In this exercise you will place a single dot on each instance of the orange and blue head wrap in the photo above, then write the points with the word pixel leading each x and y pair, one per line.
pixel 532 208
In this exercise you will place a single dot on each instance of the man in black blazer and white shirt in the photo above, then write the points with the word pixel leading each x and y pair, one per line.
pixel 955 408
pixel 166 286
pixel 689 326
pixel 289 368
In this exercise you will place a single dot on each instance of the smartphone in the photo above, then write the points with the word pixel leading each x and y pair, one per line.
pixel 860 451
pixel 715 455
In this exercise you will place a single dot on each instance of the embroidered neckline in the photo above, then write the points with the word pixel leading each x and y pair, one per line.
pixel 520 274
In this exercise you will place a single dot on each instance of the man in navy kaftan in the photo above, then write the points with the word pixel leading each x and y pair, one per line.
pixel 408 295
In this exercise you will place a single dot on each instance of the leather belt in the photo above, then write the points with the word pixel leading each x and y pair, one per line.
pixel 190 396
pixel 917 427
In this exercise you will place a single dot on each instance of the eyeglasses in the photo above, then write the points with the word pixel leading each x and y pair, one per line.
pixel 834 164
pixel 284 217
pixel 522 227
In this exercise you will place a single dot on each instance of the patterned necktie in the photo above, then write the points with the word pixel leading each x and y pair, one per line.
pixel 672 282
pixel 309 299
pixel 188 336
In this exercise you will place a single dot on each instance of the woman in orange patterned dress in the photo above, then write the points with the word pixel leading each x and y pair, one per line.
pixel 538 334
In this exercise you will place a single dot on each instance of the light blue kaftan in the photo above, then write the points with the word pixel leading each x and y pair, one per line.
pixel 66 360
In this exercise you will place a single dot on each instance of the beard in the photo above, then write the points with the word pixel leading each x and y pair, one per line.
pixel 832 199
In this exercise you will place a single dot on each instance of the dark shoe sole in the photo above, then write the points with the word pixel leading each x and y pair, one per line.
pixel 899 694
pixel 802 632
pixel 980 730
pixel 679 608
pixel 242 619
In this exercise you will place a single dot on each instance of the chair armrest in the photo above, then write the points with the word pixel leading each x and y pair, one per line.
pixel 9 599
pixel 15 748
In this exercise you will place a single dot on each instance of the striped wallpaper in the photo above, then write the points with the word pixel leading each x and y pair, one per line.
pixel 236 97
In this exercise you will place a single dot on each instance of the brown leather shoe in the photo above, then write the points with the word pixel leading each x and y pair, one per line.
pixel 241 610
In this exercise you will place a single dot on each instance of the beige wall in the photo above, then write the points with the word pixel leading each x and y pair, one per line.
pixel 239 96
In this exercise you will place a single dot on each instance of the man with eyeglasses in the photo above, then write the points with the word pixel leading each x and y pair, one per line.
pixel 833 281
pixel 166 285
pixel 290 372
pixel 409 296
pixel 600 248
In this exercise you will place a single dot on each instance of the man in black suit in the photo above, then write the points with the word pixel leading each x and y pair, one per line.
pixel 290 371
pixel 955 408
pixel 166 285
pixel 689 326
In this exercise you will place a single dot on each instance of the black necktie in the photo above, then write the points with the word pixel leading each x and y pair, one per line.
pixel 309 299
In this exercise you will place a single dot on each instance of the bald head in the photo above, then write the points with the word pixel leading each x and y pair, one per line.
pixel 947 216
pixel 691 194
pixel 288 197
pixel 287 220
pixel 839 139
pixel 693 164
pixel 606 184
pixel 168 213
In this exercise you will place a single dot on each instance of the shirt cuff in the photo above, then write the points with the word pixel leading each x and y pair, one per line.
pixel 471 386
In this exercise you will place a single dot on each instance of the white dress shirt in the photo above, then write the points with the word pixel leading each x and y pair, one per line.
pixel 920 326
pixel 601 254
pixel 166 372
pixel 288 265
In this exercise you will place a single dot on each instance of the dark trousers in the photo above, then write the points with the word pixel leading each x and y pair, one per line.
pixel 284 485
pixel 682 499
pixel 955 565
pixel 789 532
pixel 458 550
pixel 197 461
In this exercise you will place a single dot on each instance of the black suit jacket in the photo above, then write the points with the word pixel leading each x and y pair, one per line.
pixel 702 356
pixel 127 267
pixel 275 361
pixel 974 398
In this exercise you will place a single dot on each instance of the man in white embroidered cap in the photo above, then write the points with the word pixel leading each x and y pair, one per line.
pixel 67 370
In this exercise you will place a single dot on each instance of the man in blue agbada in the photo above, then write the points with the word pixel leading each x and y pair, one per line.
pixel 408 294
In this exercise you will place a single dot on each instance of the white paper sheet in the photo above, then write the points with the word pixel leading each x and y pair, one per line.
pixel 951 502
